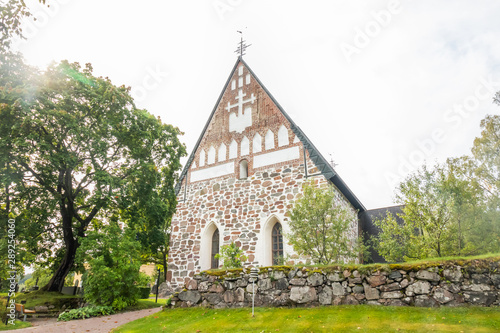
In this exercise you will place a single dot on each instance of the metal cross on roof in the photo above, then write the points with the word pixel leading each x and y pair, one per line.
pixel 242 47
pixel 332 163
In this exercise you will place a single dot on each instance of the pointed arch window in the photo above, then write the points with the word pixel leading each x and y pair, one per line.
pixel 277 241
pixel 215 250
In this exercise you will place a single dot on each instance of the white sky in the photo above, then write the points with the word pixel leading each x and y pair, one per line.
pixel 382 85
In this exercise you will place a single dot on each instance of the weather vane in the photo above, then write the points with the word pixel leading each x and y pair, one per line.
pixel 242 47
pixel 332 163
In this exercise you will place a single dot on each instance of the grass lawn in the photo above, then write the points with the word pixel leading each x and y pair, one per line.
pixel 145 304
pixel 17 324
pixel 360 318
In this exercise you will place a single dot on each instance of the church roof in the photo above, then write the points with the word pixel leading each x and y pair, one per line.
pixel 321 163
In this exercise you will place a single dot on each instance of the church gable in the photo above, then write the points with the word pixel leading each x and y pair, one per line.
pixel 244 175
pixel 246 125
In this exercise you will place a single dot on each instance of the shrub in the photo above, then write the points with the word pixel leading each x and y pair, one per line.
pixel 3 310
pixel 114 261
pixel 86 312
pixel 144 292
pixel 231 256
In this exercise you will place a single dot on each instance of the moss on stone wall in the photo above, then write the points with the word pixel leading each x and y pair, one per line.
pixel 481 262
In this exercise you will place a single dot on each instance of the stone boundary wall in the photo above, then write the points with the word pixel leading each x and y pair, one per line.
pixel 454 283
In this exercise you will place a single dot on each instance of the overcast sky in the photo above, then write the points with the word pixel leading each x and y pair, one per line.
pixel 380 85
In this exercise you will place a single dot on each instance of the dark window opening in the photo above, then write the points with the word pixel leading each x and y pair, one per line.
pixel 277 244
pixel 215 249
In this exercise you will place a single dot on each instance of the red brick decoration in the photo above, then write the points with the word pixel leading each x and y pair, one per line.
pixel 246 173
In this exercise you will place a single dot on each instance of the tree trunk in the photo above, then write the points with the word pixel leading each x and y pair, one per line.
pixel 56 283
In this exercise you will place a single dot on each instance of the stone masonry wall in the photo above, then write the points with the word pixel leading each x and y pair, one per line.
pixel 454 283
pixel 239 208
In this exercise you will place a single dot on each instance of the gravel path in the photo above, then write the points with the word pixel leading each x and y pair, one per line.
pixel 98 325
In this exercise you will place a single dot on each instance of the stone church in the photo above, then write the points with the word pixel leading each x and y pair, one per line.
pixel 246 170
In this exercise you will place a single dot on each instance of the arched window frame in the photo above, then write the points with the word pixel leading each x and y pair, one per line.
pixel 206 244
pixel 264 247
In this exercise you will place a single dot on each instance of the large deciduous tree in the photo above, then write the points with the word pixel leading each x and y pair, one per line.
pixel 14 93
pixel 320 226
pixel 11 14
pixel 486 153
pixel 444 214
pixel 451 209
pixel 79 153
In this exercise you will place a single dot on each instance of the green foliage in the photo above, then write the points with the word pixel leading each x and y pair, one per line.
pixel 363 249
pixel 450 209
pixel 144 292
pixel 442 214
pixel 143 279
pixel 75 152
pixel 486 152
pixel 11 14
pixel 113 258
pixel 42 274
pixel 69 281
pixel 86 312
pixel 396 242
pixel 320 226
pixel 231 256
pixel 3 310
pixel 486 156
pixel 18 324
pixel 282 260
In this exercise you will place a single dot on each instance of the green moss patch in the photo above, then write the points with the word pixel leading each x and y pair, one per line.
pixel 482 261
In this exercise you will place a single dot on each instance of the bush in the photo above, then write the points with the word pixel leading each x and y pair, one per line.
pixel 114 261
pixel 3 310
pixel 231 256
pixel 86 312
pixel 144 292
pixel 143 279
